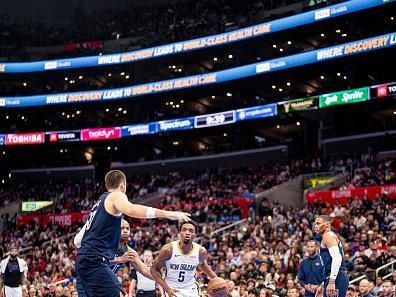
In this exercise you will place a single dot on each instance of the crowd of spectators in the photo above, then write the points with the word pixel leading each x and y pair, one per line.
pixel 259 259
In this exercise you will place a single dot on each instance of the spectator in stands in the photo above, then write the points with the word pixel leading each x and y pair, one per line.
pixel 388 289
pixel 364 288
pixel 13 270
pixel 352 291
pixel 378 285
pixel 311 272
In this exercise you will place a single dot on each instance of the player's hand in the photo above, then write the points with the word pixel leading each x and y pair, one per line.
pixel 129 256
pixel 308 288
pixel 171 292
pixel 319 291
pixel 179 216
pixel 331 290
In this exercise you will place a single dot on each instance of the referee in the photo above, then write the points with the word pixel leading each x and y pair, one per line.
pixel 142 286
pixel 13 271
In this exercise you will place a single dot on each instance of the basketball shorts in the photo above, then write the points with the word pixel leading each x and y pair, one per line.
pixel 341 283
pixel 192 291
pixel 96 279
pixel 12 291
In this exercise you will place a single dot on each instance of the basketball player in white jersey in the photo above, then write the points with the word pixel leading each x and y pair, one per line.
pixel 181 259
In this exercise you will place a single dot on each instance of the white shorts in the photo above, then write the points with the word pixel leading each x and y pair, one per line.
pixel 192 291
pixel 12 292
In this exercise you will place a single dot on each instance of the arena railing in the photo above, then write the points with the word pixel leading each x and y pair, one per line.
pixel 391 266
pixel 221 39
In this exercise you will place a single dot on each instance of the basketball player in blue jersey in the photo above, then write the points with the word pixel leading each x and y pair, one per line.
pixel 181 259
pixel 101 234
pixel 336 277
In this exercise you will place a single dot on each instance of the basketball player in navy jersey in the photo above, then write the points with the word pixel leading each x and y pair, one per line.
pixel 336 277
pixel 181 259
pixel 101 234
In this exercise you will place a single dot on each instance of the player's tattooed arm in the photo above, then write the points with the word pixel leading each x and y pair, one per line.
pixel 203 264
pixel 159 262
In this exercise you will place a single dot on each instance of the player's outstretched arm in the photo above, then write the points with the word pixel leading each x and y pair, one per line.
pixel 117 202
pixel 159 262
pixel 331 242
pixel 203 264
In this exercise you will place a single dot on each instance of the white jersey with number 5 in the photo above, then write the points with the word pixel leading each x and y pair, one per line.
pixel 181 268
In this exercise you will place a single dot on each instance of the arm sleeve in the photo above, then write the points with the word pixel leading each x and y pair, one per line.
pixel 336 259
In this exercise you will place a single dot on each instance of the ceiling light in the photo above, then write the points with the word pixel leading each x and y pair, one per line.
pixel 66 78
pixel 230 56
pixel 122 73
pixel 229 95
pixel 109 74
pixel 280 90
pixel 322 77
pixel 274 45
pixel 120 109
pixel 298 123
pixel 273 86
pixel 171 103
pixel 181 101
pixel 213 97
pixel 166 103
pixel 7 117
pixel 338 31
pixel 322 35
pixel 177 105
pixel 107 110
pixel 174 66
pixel 281 49
pixel 109 148
pixel 127 76
pixel 124 112
pixel 215 59
pixel 80 77
pixel 277 126
pixel 345 77
pixel 288 83
pixel 68 116
pixel 23 117
pixel 24 84
pixel 338 74
pixel 78 112
pixel 225 134
pixel 289 42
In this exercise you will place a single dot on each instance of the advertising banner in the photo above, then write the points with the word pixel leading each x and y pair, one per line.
pixel 176 124
pixel 245 71
pixel 258 30
pixel 64 219
pixel 100 134
pixel 344 97
pixel 298 105
pixel 258 112
pixel 384 90
pixel 35 205
pixel 25 138
pixel 312 182
pixel 345 196
pixel 139 129
pixel 63 136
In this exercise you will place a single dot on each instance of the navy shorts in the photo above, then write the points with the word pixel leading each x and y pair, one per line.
pixel 341 284
pixel 95 278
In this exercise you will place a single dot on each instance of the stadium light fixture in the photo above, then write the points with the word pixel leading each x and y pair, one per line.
pixel 345 77
pixel 109 74
pixel 225 134
pixel 127 76
pixel 277 126
pixel 289 42
pixel 338 31
pixel 78 112
pixel 280 90
pixel 394 112
pixel 22 117
pixel 274 45
pixel 281 49
pixel 109 148
pixel 322 35
pixel 215 59
pixel 81 77
pixel 171 103
pixel 7 117
pixel 124 112
pixel 177 105
pixel 68 116
pixel 2 181
pixel 120 109
pixel 61 151
pixel 73 115
pixel 230 56
pixel 229 94
pixel 322 77
pixel 175 143
pixel 273 86
pixel 122 73
pixel 338 74
pixel 213 97
pixel 24 84
pixel 66 78
pixel 116 148
pixel 182 101
pixel 288 84
pixel 107 110
pixel 392 18
pixel 4 152
pixel 298 123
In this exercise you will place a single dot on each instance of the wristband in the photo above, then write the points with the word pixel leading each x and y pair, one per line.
pixel 150 213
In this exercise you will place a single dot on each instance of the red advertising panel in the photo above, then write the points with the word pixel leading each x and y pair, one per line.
pixel 344 196
pixel 386 90
pixel 101 134
pixel 25 138
pixel 61 219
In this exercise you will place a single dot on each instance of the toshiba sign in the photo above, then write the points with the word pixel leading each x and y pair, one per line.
pixel 25 138
pixel 101 134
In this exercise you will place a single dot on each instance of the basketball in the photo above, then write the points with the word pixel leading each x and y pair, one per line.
pixel 218 287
